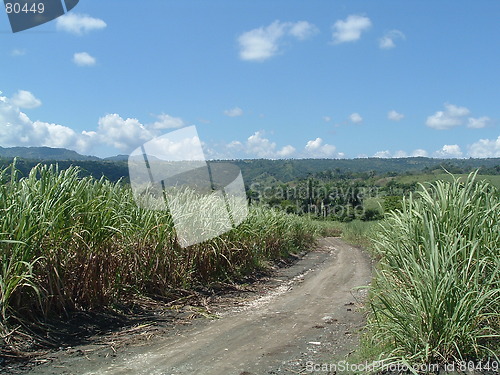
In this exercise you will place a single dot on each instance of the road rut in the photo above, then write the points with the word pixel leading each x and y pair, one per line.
pixel 312 317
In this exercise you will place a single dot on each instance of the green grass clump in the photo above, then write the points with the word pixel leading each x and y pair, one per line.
pixel 358 232
pixel 435 296
pixel 69 243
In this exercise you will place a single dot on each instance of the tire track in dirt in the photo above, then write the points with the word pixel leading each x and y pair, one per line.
pixel 311 317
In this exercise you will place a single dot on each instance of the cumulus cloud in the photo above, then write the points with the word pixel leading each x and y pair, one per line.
pixel 452 116
pixel 179 147
pixel 16 126
pixel 19 130
pixel 25 99
pixel 124 134
pixel 327 118
pixel 235 145
pixel 395 116
pixel 400 154
pixel 286 151
pixel 355 118
pixel 264 42
pixel 260 146
pixel 419 153
pixel 257 145
pixel 388 40
pixel 317 149
pixel 350 29
pixel 167 122
pixel 54 135
pixel 79 24
pixel 449 151
pixel 234 112
pixel 478 123
pixel 485 148
pixel 302 30
pixel 83 59
pixel 382 154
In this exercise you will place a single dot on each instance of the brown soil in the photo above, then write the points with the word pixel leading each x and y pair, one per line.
pixel 299 315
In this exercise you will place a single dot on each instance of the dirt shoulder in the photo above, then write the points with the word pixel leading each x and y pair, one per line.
pixel 290 322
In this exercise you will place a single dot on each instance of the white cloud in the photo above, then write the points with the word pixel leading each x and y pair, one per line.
pixel 18 52
pixel 395 116
pixel 257 145
pixel 25 99
pixel 327 118
pixel 176 148
pixel 83 59
pixel 260 146
pixel 419 153
pixel 79 24
pixel 387 41
pixel 355 118
pixel 236 145
pixel 16 127
pixel 286 151
pixel 53 135
pixel 400 154
pixel 303 30
pixel 234 112
pixel 449 151
pixel 452 116
pixel 264 42
pixel 382 154
pixel 124 134
pixel 18 130
pixel 478 123
pixel 485 148
pixel 350 29
pixel 316 149
pixel 167 122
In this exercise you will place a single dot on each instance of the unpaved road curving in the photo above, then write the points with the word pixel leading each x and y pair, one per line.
pixel 311 315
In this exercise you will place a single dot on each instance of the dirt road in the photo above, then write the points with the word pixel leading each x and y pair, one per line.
pixel 311 315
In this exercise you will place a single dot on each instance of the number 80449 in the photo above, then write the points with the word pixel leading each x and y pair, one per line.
pixel 24 8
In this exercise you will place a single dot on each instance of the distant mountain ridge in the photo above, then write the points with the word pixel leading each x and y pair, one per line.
pixel 53 154
pixel 43 153
pixel 253 170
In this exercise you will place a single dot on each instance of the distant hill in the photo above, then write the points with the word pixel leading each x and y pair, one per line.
pixel 120 157
pixel 263 171
pixel 257 170
pixel 43 153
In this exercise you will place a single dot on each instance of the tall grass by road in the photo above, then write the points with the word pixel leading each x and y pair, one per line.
pixel 70 243
pixel 436 294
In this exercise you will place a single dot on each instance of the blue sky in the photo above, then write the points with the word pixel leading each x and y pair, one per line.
pixel 270 79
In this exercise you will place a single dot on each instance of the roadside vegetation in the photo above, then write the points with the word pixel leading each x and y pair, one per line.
pixel 70 242
pixel 435 296
pixel 76 244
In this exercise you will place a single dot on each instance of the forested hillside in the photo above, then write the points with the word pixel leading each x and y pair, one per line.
pixel 262 171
